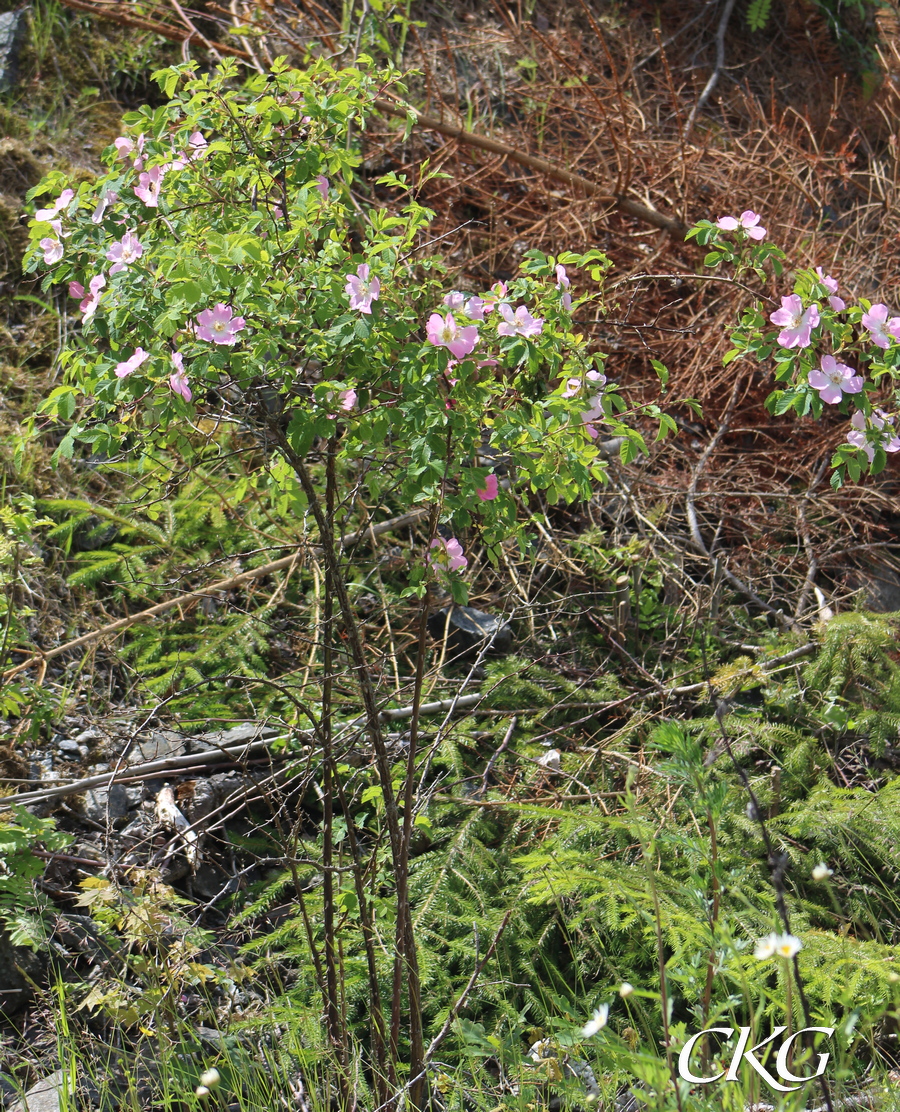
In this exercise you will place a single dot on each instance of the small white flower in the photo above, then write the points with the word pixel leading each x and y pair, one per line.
pixel 210 1078
pixel 597 1021
pixel 822 872
pixel 766 947
pixel 201 1091
pixel 788 945
pixel 626 989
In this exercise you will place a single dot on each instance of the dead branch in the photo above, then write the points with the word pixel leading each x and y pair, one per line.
pixel 592 189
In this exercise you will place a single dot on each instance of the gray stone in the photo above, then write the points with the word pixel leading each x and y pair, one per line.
pixel 45 1096
pixel 249 731
pixel 104 805
pixel 12 34
pixel 69 748
pixel 156 745
pixel 19 965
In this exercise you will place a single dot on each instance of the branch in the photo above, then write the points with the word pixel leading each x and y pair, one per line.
pixel 717 71
pixel 620 201
pixel 205 592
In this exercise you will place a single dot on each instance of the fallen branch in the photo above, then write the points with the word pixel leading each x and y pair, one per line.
pixel 116 14
pixel 717 70
pixel 620 201
pixel 204 592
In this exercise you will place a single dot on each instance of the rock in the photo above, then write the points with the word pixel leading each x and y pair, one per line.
pixel 157 745
pixel 69 748
pixel 881 586
pixel 467 630
pixel 18 966
pixel 45 1096
pixel 235 736
pixel 13 26
pixel 104 805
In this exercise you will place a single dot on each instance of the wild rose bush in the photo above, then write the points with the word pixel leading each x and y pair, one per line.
pixel 221 267
pixel 826 352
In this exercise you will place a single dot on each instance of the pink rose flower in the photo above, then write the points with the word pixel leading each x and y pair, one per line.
pixel 834 380
pixel 322 186
pixel 491 300
pixel 53 250
pixel 475 309
pixel 445 332
pixel 574 385
pixel 830 284
pixel 877 421
pixel 361 289
pixel 591 415
pixel 92 300
pixel 882 331
pixel 149 186
pixel 522 323
pixel 124 252
pixel 126 147
pixel 219 325
pixel 748 222
pixel 61 202
pixel 563 283
pixel 123 370
pixel 489 491
pixel 178 381
pixel 454 299
pixel 102 205
pixel 449 554
pixel 796 323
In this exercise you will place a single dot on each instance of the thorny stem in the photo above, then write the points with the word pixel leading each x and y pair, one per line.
pixel 332 1009
pixel 777 862
pixel 373 727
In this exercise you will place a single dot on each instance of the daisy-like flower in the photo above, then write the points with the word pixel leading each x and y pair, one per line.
pixel 361 289
pixel 796 323
pixel 780 945
pixel 522 323
pixel 53 250
pixel 788 945
pixel 178 381
pixel 822 872
pixel 149 185
pixel 124 252
pixel 834 380
pixel 830 284
pixel 490 490
pixel 765 948
pixel 61 202
pixel 123 370
pixel 597 1021
pixel 748 222
pixel 449 554
pixel 219 325
pixel 883 330
pixel 445 332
